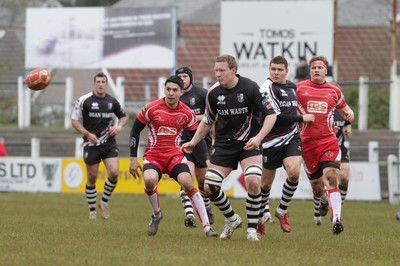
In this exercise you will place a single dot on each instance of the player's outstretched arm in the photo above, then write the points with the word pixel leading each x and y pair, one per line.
pixel 201 131
pixel 255 141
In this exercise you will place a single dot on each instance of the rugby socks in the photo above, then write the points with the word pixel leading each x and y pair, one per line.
pixel 152 196
pixel 187 205
pixel 91 195
pixel 198 204
pixel 220 200
pixel 264 202
pixel 109 186
pixel 288 191
pixel 343 192
pixel 253 205
pixel 316 202
pixel 335 201
pixel 204 196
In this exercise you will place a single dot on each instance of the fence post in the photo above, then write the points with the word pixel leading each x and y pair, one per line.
pixel 35 147
pixel 363 104
pixel 393 179
pixel 147 93
pixel 78 147
pixel 121 90
pixel 394 109
pixel 161 82
pixel 69 91
pixel 27 107
pixel 21 104
pixel 205 82
pixel 373 152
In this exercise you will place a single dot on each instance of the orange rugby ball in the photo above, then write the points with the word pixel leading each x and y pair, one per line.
pixel 38 79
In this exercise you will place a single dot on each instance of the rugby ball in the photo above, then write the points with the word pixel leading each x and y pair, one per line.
pixel 38 79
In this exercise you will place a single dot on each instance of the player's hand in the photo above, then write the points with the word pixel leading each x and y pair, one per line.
pixel 115 130
pixel 252 144
pixel 347 131
pixel 135 168
pixel 91 138
pixel 308 118
pixel 187 147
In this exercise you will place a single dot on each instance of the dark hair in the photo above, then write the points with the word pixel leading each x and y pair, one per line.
pixel 187 70
pixel 175 79
pixel 100 75
pixel 279 60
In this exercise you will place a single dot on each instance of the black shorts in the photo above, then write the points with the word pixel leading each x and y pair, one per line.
pixel 230 153
pixel 345 154
pixel 273 157
pixel 200 155
pixel 94 154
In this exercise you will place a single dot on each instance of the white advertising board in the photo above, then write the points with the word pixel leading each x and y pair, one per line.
pixel 45 174
pixel 25 174
pixel 256 31
pixel 100 37
pixel 364 183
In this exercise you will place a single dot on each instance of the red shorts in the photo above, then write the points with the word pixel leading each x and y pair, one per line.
pixel 165 161
pixel 314 153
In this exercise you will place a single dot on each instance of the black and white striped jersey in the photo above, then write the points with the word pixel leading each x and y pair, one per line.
pixel 286 126
pixel 237 112
pixel 96 115
pixel 340 122
pixel 196 100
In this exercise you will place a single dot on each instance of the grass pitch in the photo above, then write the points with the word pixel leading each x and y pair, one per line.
pixel 54 229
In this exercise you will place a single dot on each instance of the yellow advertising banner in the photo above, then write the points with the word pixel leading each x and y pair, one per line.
pixel 74 179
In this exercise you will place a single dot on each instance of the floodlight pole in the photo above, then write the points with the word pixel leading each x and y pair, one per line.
pixel 394 110
pixel 334 63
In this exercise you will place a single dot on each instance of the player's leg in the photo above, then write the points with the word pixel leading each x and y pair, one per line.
pixel 268 176
pixel 182 175
pixel 222 161
pixel 187 204
pixel 252 176
pixel 151 176
pixel 331 179
pixel 292 167
pixel 344 179
pixel 90 191
pixel 112 166
pixel 212 185
pixel 92 160
pixel 344 173
pixel 317 186
pixel 201 161
pixel 200 177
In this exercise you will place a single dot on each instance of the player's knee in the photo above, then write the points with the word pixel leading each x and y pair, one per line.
pixel 214 177
pixel 253 170
pixel 213 183
pixel 113 176
pixel 212 191
pixel 332 176
pixel 317 188
pixel 293 174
